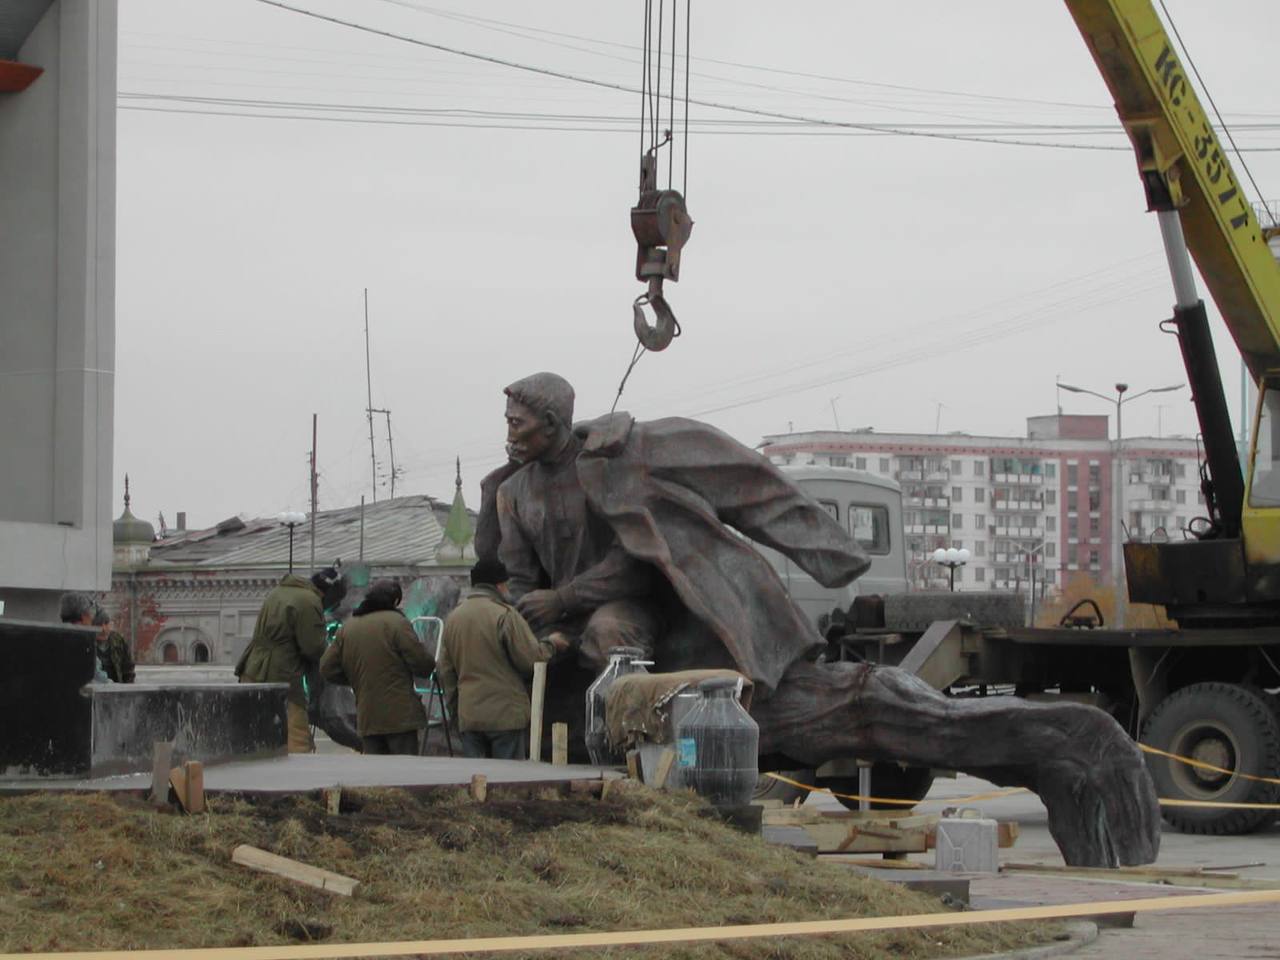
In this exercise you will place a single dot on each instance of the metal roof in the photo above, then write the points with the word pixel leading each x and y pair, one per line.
pixel 400 531
pixel 17 19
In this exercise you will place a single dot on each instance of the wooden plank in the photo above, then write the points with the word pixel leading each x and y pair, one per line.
pixel 1155 873
pixel 535 710
pixel 560 743
pixel 479 787
pixel 161 761
pixel 278 866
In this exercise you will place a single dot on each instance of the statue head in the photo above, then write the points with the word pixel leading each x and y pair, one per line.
pixel 539 416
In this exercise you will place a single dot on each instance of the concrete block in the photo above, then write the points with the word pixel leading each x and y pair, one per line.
pixel 212 723
pixel 45 709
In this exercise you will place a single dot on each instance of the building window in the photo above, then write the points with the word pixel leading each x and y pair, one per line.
pixel 1200 497
pixel 1179 469
pixel 1180 496
pixel 1050 576
pixel 957 521
pixel 169 653
pixel 1181 522
pixel 839 461
pixel 884 464
pixel 1073 472
pixel 1050 524
pixel 979 468
pixel 1095 475
pixel 1094 527
pixel 1073 528
pixel 956 467
pixel 979 494
pixel 957 494
pixel 200 653
pixel 979 520
pixel 1050 498
pixel 1093 558
pixel 980 548
pixel 958 544
pixel 860 463
pixel 979 574
pixel 1095 501
pixel 1050 549
pixel 1050 471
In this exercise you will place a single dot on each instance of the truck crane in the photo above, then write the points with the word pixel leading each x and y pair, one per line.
pixel 1205 692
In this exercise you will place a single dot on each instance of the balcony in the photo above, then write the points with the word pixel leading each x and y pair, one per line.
pixel 1020 506
pixel 1018 479
pixel 937 476
pixel 1018 532
pixel 938 503
pixel 910 475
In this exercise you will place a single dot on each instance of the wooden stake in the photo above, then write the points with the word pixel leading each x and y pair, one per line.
pixel 256 859
pixel 535 711
pixel 479 788
pixel 560 743
pixel 161 759
pixel 333 800
pixel 192 798
pixel 633 764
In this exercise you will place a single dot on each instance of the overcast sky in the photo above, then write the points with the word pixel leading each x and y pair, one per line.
pixel 894 281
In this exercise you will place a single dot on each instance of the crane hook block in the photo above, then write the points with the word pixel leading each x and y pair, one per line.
pixel 659 334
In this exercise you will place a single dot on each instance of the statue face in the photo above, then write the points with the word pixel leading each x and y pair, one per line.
pixel 529 435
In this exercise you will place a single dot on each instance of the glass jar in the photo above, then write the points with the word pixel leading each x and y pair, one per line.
pixel 622 661
pixel 717 745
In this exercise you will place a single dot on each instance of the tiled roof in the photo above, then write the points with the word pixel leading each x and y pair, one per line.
pixel 401 531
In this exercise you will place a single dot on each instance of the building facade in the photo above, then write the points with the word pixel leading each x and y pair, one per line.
pixel 1047 506
pixel 57 296
pixel 193 596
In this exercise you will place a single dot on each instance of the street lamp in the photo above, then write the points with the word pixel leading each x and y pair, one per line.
pixel 1117 525
pixel 1031 575
pixel 291 519
pixel 951 558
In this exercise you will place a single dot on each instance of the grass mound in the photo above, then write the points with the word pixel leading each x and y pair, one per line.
pixel 96 871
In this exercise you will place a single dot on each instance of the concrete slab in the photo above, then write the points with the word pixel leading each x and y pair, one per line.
pixel 298 773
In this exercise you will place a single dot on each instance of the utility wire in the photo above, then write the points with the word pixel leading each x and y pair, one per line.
pixel 573 78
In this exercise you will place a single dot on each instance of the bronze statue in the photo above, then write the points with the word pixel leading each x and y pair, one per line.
pixel 624 533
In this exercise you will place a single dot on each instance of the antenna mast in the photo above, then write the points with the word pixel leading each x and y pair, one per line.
pixel 368 380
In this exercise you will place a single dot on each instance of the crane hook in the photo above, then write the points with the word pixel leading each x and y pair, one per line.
pixel 665 328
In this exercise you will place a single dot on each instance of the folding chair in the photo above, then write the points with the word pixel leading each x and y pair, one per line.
pixel 433 691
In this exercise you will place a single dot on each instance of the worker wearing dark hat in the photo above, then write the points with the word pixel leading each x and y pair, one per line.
pixel 288 640
pixel 487 655
pixel 377 654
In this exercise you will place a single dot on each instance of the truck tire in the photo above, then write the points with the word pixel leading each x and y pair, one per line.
pixel 768 788
pixel 889 780
pixel 1229 726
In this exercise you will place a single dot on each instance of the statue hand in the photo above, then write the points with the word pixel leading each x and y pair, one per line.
pixel 540 607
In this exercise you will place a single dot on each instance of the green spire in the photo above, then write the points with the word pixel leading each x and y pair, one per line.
pixel 458 529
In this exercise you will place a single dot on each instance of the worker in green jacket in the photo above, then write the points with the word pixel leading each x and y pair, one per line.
pixel 289 639
pixel 112 649
pixel 487 655
pixel 377 654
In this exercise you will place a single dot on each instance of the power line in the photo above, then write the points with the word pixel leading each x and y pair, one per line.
pixel 623 88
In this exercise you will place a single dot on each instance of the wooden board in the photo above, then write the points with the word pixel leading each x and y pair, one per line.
pixel 278 866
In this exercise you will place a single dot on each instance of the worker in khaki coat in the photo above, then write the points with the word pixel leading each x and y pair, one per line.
pixel 486 658
pixel 288 639
pixel 377 654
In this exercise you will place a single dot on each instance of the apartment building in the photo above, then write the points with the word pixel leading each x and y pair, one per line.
pixel 1057 501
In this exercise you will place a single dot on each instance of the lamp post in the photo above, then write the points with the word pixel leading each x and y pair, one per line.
pixel 1031 575
pixel 951 558
pixel 1117 524
pixel 292 519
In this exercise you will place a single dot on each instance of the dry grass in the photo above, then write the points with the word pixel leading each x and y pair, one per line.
pixel 103 872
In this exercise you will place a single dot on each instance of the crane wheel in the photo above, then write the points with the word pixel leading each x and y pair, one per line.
pixel 1225 725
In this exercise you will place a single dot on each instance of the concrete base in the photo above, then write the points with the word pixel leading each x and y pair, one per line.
pixel 214 723
pixel 936 883
pixel 45 711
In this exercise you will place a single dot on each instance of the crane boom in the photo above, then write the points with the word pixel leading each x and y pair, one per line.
pixel 1184 167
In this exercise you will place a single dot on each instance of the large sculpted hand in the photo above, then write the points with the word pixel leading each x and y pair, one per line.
pixel 541 607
